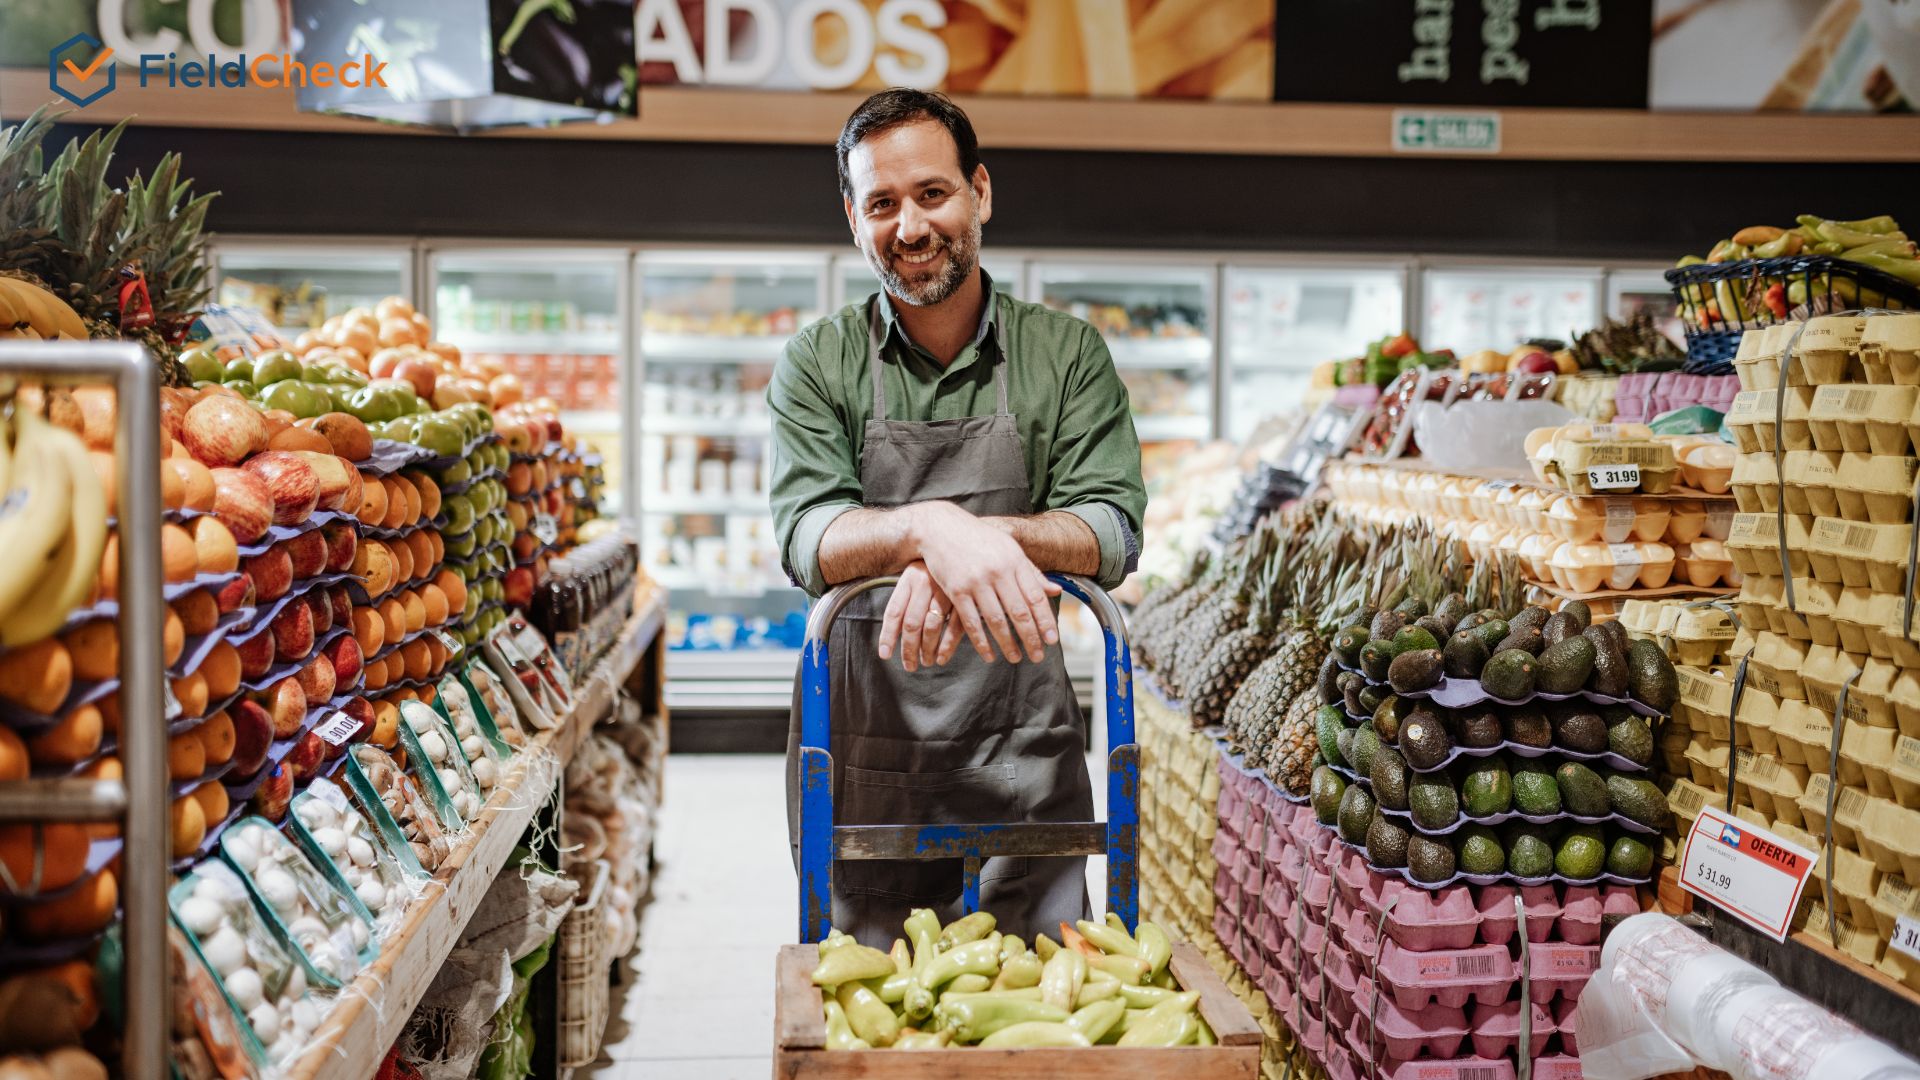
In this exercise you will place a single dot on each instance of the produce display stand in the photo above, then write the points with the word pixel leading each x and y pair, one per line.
pixel 139 804
pixel 370 1012
pixel 800 1033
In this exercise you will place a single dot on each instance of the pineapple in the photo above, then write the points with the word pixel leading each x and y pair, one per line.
pixel 1289 757
pixel 1219 674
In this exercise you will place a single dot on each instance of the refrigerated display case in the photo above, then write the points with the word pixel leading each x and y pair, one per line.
pixel 1632 291
pixel 1470 308
pixel 1278 322
pixel 300 284
pixel 554 318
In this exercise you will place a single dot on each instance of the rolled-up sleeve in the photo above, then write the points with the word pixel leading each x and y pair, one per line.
pixel 1094 463
pixel 815 476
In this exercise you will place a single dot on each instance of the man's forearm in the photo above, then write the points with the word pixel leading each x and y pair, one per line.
pixel 1055 540
pixel 865 543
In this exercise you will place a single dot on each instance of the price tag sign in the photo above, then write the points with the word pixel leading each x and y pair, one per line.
pixel 546 528
pixel 337 729
pixel 1613 477
pixel 1906 936
pixel 452 643
pixel 1745 869
pixel 326 792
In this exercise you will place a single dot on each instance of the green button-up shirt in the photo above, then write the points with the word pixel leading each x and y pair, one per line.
pixel 1068 402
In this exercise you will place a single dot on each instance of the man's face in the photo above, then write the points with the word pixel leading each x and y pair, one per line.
pixel 913 215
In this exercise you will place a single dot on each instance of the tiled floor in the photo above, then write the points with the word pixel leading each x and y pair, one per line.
pixel 700 1006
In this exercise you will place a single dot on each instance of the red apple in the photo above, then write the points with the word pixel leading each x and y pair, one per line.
pixel 256 655
pixel 341 540
pixel 287 704
pixel 305 757
pixel 421 374
pixel 220 430
pixel 252 736
pixel 342 605
pixel 271 572
pixel 241 502
pixel 322 610
pixel 383 362
pixel 1538 363
pixel 317 680
pixel 290 482
pixel 519 587
pixel 275 793
pixel 237 593
pixel 331 473
pixel 308 552
pixel 345 656
pixel 293 633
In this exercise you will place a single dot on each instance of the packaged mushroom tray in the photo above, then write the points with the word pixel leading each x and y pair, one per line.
pixel 437 760
pixel 374 776
pixel 376 864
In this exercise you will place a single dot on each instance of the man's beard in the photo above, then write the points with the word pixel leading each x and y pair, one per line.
pixel 928 287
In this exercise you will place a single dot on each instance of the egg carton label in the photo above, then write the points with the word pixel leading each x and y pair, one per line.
pixel 1624 554
pixel 1758 766
pixel 1753 527
pixel 1565 959
pixel 1619 517
pixel 1851 804
pixel 1896 893
pixel 1823 700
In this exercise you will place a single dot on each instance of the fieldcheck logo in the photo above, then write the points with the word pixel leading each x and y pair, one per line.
pixel 60 60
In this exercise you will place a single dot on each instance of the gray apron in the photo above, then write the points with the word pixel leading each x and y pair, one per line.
pixel 964 743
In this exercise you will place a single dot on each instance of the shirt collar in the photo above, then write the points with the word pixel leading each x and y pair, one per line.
pixel 989 317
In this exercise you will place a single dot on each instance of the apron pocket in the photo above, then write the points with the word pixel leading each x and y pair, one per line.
pixel 983 794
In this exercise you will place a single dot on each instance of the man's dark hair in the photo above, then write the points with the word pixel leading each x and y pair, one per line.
pixel 890 109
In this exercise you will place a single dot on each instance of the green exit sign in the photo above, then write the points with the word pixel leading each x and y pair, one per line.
pixel 1432 131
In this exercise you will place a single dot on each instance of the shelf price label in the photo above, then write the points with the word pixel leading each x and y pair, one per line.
pixel 1906 936
pixel 1745 870
pixel 545 528
pixel 1613 477
pixel 337 729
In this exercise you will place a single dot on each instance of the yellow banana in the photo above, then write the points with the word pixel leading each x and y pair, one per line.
pixel 70 575
pixel 35 514
pixel 51 316
pixel 10 316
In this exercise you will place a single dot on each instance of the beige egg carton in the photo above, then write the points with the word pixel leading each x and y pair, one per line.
pixel 1807 482
pixel 1895 896
pixel 1849 806
pixel 1869 699
pixel 1890 349
pixel 1768 784
pixel 1756 362
pixel 1903 772
pixel 1578 458
pixel 1707 765
pixel 1757 421
pixel 1866 758
pixel 1689 635
pixel 1686 799
pixel 1775 663
pixel 1756 483
pixel 1876 488
pixel 1859 554
pixel 1753 544
pixel 1864 419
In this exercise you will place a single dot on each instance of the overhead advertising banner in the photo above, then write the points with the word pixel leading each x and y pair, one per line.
pixel 1792 55
pixel 1497 53
pixel 1196 49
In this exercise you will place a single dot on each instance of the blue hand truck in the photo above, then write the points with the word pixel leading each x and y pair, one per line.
pixel 822 842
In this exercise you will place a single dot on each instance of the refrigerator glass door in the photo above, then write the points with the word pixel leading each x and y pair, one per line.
pixel 300 287
pixel 1158 324
pixel 1468 310
pixel 1630 292
pixel 1279 323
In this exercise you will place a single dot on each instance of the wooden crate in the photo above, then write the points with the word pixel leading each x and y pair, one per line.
pixel 800 1033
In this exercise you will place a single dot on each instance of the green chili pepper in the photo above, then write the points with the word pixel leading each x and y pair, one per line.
pixel 1130 970
pixel 1019 972
pixel 1169 1023
pixel 1028 993
pixel 1203 1036
pixel 1127 1019
pixel 923 1040
pixel 840 1034
pixel 852 963
pixel 871 1018
pixel 975 958
pixel 1099 987
pixel 833 940
pixel 1145 997
pixel 1164 981
pixel 1155 947
pixel 973 1017
pixel 1096 1019
pixel 923 930
pixel 1110 941
pixel 1061 979
pixel 970 984
pixel 968 928
pixel 1045 946
pixel 902 957
pixel 893 988
pixel 1034 1033
pixel 1011 945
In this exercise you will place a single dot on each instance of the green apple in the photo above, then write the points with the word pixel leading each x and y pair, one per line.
pixel 274 365
pixel 245 389
pixel 457 473
pixel 375 404
pixel 239 369
pixel 460 518
pixel 437 435
pixel 473 605
pixel 202 365
pixel 301 399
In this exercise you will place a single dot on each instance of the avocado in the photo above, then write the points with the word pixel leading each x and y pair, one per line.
pixel 1352 683
pixel 1529 854
pixel 1348 643
pixel 1529 727
pixel 1632 738
pixel 1581 613
pixel 1328 787
pixel 1564 668
pixel 1429 861
pixel 1609 664
pixel 1389 778
pixel 1487 788
pixel 1582 790
pixel 1424 741
pixel 1365 742
pixel 1371 697
pixel 1414 670
pixel 1509 675
pixel 1612 631
pixel 1343 742
pixel 1480 730
pixel 1636 798
pixel 1411 638
pixel 1559 627
pixel 1375 656
pixel 1328 723
pixel 1534 792
pixel 1329 681
pixel 1385 624
pixel 1433 802
pixel 1386 841
pixel 1412 607
pixel 1356 813
pixel 1388 717
pixel 1470 621
pixel 1491 633
pixel 1450 610
pixel 1652 676
pixel 1532 617
pixel 1464 656
pixel 1435 627
pixel 1579 729
pixel 1629 857
pixel 1480 851
pixel 1582 854
pixel 1525 638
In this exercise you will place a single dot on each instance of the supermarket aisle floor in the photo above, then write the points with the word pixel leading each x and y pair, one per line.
pixel 701 1005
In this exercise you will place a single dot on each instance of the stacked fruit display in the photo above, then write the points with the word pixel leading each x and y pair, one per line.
pixel 1876 243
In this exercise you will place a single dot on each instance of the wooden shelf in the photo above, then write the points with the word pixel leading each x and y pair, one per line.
pixel 368 1016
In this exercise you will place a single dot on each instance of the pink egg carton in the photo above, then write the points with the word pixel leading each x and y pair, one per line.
pixel 1276 895
pixel 1353 877
pixel 1580 909
pixel 1342 970
pixel 1429 921
pixel 1496 1029
pixel 1557 1067
pixel 1278 988
pixel 1561 970
pixel 1225 846
pixel 1363 937
pixel 1317 890
pixel 1466 1068
pixel 1566 1019
pixel 1223 923
pixel 1450 977
pixel 1400 1035
pixel 1342 1064
pixel 1274 849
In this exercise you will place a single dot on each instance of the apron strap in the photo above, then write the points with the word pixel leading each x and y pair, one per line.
pixel 874 336
pixel 999 345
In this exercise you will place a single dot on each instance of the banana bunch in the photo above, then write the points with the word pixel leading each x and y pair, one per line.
pixel 29 311
pixel 53 528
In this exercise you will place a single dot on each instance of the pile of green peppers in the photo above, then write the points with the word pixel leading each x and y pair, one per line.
pixel 966 984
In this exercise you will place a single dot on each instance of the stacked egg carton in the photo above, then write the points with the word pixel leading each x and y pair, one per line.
pixel 1178 790
pixel 1825 489
pixel 1371 971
